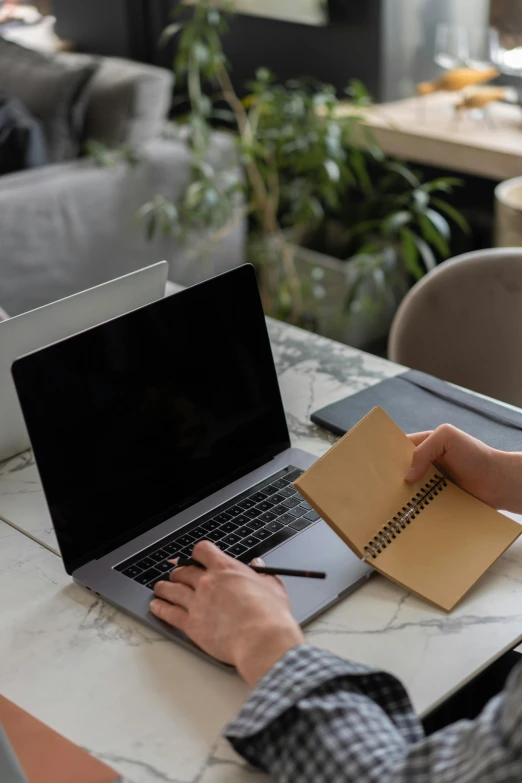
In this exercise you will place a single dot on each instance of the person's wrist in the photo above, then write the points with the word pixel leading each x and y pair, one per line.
pixel 260 648
pixel 508 481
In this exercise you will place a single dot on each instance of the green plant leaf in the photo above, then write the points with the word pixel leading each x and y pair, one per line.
pixel 421 199
pixel 440 223
pixel 204 106
pixel 405 173
pixel 378 278
pixel 444 184
pixel 452 213
pixel 426 252
pixel 365 226
pixel 433 237
pixel 353 293
pixel 264 75
pixel 145 210
pixel 316 211
pixel 332 169
pixel 130 156
pixel 370 141
pixel 103 156
pixel 211 197
pixel 396 221
pixel 201 53
pixel 213 16
pixel 204 168
pixel 168 33
pixel 359 166
pixel 194 194
pixel 223 114
pixel 389 258
pixel 171 211
pixel 367 251
pixel 410 254
pixel 358 92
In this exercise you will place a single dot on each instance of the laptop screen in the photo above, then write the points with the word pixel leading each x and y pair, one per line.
pixel 134 420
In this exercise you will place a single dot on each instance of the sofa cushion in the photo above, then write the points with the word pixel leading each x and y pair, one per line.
pixel 75 229
pixel 52 87
pixel 22 143
pixel 128 102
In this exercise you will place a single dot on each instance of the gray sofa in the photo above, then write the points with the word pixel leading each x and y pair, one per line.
pixel 68 226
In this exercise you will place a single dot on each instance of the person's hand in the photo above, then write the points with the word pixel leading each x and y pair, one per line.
pixel 232 613
pixel 493 476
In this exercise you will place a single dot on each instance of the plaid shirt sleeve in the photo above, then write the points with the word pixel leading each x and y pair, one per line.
pixel 315 717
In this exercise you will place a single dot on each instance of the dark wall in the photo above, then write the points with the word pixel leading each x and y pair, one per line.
pixel 388 44
pixel 349 46
pixel 118 28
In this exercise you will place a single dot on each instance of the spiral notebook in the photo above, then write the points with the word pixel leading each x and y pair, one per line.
pixel 431 537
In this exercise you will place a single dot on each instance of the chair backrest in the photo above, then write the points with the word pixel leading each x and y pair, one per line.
pixel 463 323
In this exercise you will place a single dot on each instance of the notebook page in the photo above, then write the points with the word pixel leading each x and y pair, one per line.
pixel 447 547
pixel 359 484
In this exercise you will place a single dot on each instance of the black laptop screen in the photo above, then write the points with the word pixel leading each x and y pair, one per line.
pixel 136 419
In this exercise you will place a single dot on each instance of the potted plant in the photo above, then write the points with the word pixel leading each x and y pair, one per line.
pixel 362 261
pixel 337 231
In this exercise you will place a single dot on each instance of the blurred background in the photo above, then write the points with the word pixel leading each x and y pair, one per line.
pixel 381 131
pixel 388 44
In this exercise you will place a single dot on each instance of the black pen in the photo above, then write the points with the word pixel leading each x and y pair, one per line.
pixel 180 563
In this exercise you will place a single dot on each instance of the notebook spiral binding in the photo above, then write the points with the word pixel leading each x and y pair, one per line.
pixel 402 519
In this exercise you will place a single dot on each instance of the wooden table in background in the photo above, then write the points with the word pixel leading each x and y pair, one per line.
pixel 426 130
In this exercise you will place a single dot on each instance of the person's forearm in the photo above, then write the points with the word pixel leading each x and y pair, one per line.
pixel 507 479
pixel 309 721
pixel 293 725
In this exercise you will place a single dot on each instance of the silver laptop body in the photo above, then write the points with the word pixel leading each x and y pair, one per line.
pixel 45 325
pixel 182 434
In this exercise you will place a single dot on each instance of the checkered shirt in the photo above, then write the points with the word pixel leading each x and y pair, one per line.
pixel 315 717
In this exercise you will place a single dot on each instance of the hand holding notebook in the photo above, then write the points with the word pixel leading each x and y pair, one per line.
pixel 431 537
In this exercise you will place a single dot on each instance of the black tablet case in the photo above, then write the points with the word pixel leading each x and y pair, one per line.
pixel 418 402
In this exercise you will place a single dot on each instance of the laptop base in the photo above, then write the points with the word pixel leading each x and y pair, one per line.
pixel 308 598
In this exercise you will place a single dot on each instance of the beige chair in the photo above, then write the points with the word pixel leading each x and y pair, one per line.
pixel 463 323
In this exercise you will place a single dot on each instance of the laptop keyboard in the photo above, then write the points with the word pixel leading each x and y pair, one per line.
pixel 249 526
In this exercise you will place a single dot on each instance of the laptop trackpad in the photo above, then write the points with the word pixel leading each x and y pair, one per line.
pixel 317 549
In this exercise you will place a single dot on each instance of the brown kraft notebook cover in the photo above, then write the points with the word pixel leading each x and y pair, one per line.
pixel 431 537
pixel 47 757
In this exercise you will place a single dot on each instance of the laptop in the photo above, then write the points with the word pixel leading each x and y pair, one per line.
pixel 164 427
pixel 45 325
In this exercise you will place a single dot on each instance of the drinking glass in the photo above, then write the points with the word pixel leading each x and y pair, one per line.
pixel 451 46
pixel 479 48
pixel 507 59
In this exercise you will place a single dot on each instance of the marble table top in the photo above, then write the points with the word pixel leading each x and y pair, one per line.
pixel 149 709
pixel 155 711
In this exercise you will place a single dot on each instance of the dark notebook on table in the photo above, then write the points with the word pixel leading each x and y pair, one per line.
pixel 418 402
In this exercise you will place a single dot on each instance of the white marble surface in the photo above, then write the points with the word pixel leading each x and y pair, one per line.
pixel 153 710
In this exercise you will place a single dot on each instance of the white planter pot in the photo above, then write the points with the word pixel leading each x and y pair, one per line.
pixel 329 312
pixel 508 213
